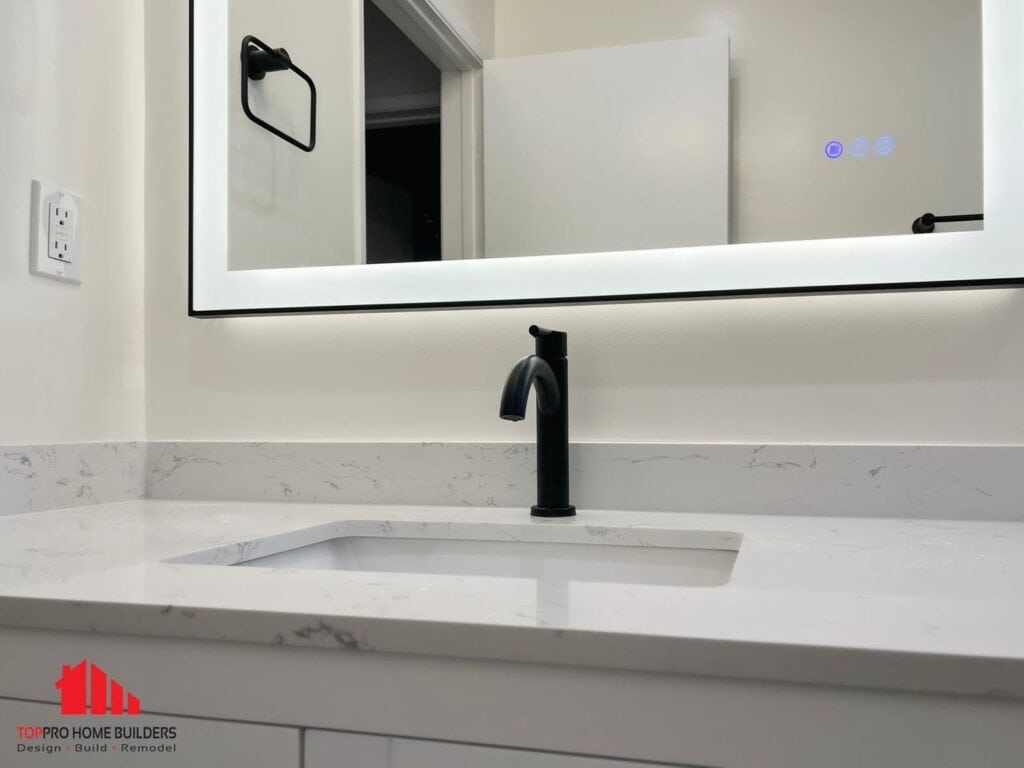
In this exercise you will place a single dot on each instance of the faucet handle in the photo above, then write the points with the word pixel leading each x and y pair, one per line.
pixel 550 344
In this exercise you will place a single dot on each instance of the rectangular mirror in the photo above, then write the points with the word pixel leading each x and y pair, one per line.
pixel 367 154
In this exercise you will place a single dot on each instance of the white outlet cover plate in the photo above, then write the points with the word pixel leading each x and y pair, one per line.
pixel 47 202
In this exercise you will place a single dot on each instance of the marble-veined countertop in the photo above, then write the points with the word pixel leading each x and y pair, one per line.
pixel 899 604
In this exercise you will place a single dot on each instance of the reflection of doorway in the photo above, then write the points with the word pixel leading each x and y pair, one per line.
pixel 415 38
pixel 403 146
pixel 403 193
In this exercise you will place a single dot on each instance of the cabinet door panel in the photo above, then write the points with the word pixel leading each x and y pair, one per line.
pixel 325 749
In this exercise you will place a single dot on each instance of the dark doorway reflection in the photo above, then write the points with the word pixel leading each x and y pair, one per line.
pixel 403 194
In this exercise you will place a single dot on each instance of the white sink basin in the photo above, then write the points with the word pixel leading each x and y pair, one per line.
pixel 545 553
pixel 511 559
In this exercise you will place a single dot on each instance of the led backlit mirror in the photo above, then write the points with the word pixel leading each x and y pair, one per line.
pixel 394 153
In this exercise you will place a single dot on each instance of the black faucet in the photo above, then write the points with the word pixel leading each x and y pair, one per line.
pixel 548 370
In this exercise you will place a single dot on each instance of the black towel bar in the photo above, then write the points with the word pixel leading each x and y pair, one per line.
pixel 926 224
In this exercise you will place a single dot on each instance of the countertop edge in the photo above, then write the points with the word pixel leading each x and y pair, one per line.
pixel 993 678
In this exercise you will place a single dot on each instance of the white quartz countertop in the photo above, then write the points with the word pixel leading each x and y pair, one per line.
pixel 898 604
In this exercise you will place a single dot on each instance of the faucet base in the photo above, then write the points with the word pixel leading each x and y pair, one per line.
pixel 569 511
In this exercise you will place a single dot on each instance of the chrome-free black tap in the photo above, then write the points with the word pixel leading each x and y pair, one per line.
pixel 548 371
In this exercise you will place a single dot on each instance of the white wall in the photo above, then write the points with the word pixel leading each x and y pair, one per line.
pixel 918 368
pixel 883 368
pixel 289 208
pixel 474 19
pixel 395 67
pixel 805 72
pixel 71 113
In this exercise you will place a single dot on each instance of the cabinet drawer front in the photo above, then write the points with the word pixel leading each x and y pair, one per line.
pixel 326 749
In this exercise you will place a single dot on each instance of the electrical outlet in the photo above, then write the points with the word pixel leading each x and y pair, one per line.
pixel 59 240
pixel 56 219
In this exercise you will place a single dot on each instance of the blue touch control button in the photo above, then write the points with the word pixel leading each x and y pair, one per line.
pixel 885 145
pixel 859 147
pixel 834 150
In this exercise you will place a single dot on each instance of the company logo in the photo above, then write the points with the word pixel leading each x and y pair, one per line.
pixel 85 689
pixel 103 699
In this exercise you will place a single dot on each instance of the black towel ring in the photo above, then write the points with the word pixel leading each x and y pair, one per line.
pixel 258 59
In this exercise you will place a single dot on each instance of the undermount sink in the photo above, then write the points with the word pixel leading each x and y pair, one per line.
pixel 536 552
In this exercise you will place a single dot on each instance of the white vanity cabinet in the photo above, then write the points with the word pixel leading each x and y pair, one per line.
pixel 330 749
pixel 197 742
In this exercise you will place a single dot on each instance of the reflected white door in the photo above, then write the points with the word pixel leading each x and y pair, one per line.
pixel 607 149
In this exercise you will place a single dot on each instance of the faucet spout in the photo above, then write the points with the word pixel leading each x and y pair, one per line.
pixel 529 372
pixel 547 372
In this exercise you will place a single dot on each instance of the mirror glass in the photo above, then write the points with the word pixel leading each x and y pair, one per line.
pixel 363 132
